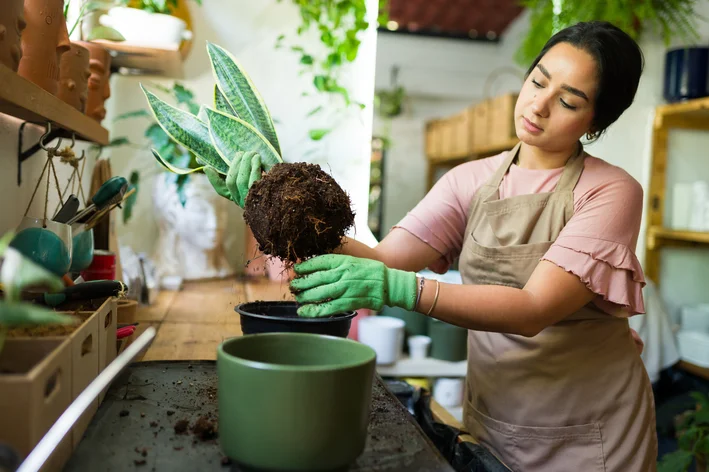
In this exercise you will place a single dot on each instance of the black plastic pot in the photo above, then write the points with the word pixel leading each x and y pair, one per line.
pixel 686 73
pixel 282 317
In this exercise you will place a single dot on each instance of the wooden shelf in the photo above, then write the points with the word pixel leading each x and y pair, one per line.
pixel 690 114
pixel 24 100
pixel 658 236
pixel 694 369
pixel 427 367
pixel 138 60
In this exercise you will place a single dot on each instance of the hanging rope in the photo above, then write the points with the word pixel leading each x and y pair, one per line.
pixel 51 153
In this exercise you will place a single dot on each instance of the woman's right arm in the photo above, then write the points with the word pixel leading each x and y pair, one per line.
pixel 398 250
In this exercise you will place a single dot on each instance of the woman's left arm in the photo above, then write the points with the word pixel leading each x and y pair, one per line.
pixel 550 295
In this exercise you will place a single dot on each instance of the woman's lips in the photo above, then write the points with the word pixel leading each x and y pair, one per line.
pixel 531 127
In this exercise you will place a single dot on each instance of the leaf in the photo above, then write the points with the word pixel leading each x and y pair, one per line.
pixel 157 135
pixel 182 95
pixel 318 134
pixel 221 103
pixel 18 273
pixel 319 81
pixel 240 92
pixel 14 314
pixel 315 110
pixel 129 202
pixel 187 130
pixel 120 141
pixel 105 32
pixel 306 59
pixel 676 461
pixel 180 188
pixel 175 170
pixel 701 399
pixel 133 114
pixel 231 134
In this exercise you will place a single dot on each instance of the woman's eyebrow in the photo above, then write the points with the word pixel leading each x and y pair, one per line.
pixel 566 87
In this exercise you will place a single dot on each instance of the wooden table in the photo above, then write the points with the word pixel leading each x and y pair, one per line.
pixel 192 322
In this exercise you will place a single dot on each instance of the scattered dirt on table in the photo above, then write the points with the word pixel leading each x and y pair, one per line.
pixel 226 461
pixel 178 448
pixel 205 429
pixel 153 424
pixel 142 451
pixel 170 412
pixel 123 413
pixel 181 426
pixel 140 461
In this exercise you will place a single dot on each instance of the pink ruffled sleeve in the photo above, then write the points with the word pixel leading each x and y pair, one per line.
pixel 598 242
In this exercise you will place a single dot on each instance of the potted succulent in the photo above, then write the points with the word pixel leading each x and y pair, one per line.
pixel 692 439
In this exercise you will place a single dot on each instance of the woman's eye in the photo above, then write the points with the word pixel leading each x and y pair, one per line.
pixel 566 105
pixel 536 84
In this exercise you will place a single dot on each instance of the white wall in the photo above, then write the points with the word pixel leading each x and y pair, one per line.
pixel 249 31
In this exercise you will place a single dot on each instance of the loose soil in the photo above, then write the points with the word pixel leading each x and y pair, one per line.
pixel 297 211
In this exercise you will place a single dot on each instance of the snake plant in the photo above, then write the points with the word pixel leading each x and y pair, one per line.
pixel 237 121
pixel 17 273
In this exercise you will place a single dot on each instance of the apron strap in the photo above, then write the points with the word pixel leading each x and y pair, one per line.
pixel 499 174
pixel 572 171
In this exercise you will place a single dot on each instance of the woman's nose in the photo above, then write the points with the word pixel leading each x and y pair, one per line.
pixel 540 105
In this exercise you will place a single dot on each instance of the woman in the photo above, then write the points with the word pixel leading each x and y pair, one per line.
pixel 545 235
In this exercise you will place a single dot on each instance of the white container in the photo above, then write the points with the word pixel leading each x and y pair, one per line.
pixel 681 205
pixel 700 195
pixel 418 346
pixel 384 334
pixel 694 347
pixel 448 392
pixel 146 29
pixel 695 318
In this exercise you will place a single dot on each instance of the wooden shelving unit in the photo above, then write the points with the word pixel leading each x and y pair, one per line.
pixel 24 100
pixel 437 163
pixel 146 61
pixel 694 115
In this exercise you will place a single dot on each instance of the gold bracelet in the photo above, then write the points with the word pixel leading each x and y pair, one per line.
pixel 435 299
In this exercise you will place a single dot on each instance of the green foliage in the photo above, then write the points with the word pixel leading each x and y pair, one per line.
pixel 675 19
pixel 98 32
pixel 241 122
pixel 338 23
pixel 154 6
pixel 692 438
pixel 175 158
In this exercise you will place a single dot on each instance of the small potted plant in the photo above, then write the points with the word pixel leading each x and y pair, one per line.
pixel 692 439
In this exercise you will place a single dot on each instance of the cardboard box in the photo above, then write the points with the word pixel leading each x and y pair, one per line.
pixel 35 389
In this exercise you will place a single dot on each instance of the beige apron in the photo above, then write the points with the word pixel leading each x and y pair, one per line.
pixel 575 397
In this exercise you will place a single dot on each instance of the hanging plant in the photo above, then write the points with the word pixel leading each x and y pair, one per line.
pixel 675 19
pixel 339 23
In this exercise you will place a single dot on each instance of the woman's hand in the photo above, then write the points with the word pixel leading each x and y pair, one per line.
pixel 244 170
pixel 333 283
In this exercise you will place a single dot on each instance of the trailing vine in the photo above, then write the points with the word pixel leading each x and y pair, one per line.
pixel 675 19
pixel 339 23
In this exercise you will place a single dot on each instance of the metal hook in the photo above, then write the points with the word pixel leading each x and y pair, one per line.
pixel 44 136
pixel 73 140
pixel 83 155
pixel 59 144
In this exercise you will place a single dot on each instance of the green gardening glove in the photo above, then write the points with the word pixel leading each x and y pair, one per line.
pixel 244 170
pixel 333 283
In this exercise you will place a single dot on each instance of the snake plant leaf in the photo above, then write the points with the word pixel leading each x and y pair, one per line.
pixel 14 314
pixel 18 273
pixel 175 170
pixel 221 103
pixel 231 135
pixel 236 86
pixel 186 130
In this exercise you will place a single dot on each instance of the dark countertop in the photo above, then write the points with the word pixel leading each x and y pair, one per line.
pixel 134 428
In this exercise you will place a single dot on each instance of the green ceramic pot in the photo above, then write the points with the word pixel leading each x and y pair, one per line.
pixel 294 401
pixel 44 248
pixel 448 342
pixel 83 250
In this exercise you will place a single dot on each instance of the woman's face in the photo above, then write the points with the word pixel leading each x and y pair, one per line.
pixel 555 106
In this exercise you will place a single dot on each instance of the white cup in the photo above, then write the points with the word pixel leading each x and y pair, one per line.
pixel 418 346
pixel 448 392
pixel 384 334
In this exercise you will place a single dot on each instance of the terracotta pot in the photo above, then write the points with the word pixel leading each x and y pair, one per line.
pixel 12 23
pixel 99 87
pixel 74 76
pixel 43 42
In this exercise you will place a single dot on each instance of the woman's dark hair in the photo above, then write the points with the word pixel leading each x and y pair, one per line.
pixel 619 60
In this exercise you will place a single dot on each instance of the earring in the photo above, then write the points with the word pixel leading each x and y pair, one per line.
pixel 592 135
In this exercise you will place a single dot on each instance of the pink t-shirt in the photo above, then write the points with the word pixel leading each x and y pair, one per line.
pixel 597 244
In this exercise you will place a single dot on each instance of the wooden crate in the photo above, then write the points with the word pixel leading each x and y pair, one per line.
pixel 434 142
pixel 107 321
pixel 501 124
pixel 463 134
pixel 481 125
pixel 35 389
